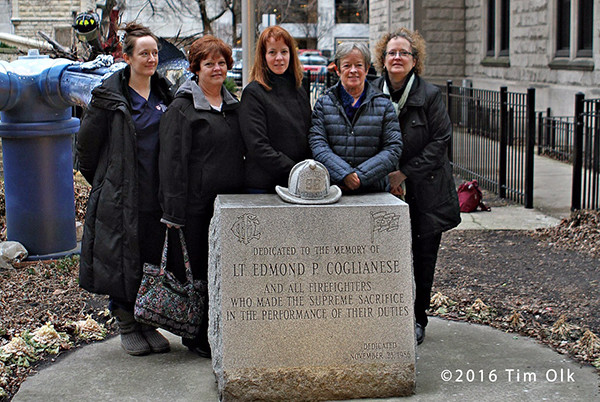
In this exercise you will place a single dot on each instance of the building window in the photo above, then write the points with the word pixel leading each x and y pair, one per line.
pixel 585 28
pixel 296 12
pixel 563 28
pixel 574 28
pixel 351 11
pixel 498 24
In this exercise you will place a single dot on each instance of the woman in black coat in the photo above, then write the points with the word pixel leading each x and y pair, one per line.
pixel 274 112
pixel 424 178
pixel 201 155
pixel 118 154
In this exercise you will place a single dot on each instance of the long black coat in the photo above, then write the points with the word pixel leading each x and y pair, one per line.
pixel 426 132
pixel 106 146
pixel 275 127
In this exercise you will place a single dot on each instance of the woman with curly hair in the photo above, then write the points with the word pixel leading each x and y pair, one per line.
pixel 424 178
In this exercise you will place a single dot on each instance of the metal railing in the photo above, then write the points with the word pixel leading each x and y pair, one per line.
pixel 576 140
pixel 586 154
pixel 493 139
pixel 316 84
pixel 555 136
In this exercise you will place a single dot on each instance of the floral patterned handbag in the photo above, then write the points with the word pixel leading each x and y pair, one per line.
pixel 164 302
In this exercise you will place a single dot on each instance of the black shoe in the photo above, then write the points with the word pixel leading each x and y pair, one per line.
pixel 200 352
pixel 195 347
pixel 419 333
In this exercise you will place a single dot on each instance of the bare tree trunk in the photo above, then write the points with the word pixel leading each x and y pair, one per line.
pixel 206 20
pixel 233 7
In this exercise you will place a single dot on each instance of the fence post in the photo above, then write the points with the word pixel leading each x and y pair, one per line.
pixel 540 128
pixel 449 107
pixel 577 153
pixel 529 149
pixel 594 135
pixel 549 129
pixel 502 171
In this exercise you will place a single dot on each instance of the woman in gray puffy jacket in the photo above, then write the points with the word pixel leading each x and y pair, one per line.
pixel 355 132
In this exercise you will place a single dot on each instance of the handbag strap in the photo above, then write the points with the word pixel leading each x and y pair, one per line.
pixel 163 258
pixel 186 259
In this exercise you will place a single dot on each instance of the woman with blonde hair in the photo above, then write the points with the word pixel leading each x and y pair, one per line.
pixel 274 112
pixel 424 177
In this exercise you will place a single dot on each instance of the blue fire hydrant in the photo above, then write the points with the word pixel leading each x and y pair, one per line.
pixel 36 127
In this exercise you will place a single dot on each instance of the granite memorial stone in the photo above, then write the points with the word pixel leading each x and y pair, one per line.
pixel 311 302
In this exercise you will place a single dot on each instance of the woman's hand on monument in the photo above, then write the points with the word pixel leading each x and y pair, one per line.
pixel 352 181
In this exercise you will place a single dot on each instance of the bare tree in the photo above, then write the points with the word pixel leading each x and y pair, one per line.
pixel 185 8
pixel 206 20
pixel 235 7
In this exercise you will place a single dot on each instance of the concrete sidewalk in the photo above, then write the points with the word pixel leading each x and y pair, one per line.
pixel 457 362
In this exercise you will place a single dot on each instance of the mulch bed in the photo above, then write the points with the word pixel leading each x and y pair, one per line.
pixel 35 293
pixel 540 283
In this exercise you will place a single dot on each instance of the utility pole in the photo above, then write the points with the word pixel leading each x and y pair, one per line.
pixel 248 37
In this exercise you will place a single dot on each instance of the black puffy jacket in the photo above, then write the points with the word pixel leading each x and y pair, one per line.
pixel 369 145
pixel 106 146
pixel 427 131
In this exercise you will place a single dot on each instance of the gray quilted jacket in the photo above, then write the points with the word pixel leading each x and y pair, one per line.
pixel 370 144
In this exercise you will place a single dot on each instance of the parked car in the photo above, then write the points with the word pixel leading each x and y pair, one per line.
pixel 317 65
pixel 309 52
pixel 236 71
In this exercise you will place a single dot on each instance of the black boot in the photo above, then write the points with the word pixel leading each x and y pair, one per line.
pixel 199 344
pixel 419 333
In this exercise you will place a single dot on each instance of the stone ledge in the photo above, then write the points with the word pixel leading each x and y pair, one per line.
pixel 575 65
pixel 320 383
pixel 496 62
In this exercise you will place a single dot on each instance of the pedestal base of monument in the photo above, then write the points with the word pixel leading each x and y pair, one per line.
pixel 311 302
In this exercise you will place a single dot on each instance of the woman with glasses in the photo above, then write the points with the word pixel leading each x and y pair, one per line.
pixel 354 130
pixel 424 177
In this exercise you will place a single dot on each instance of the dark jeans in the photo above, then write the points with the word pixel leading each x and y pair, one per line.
pixel 425 251
pixel 196 238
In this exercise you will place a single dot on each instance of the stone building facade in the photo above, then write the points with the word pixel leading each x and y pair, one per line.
pixel 516 43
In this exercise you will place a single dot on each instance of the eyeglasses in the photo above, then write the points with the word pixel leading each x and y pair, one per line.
pixel 402 53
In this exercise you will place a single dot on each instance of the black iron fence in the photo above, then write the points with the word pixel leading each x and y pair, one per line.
pixel 555 136
pixel 575 139
pixel 586 154
pixel 495 135
pixel 494 139
pixel 316 84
